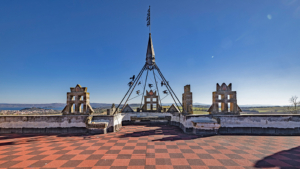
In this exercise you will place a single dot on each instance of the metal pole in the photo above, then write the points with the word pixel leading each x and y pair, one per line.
pixel 136 82
pixel 168 89
pixel 169 86
pixel 144 89
pixel 167 83
pixel 156 86
pixel 128 91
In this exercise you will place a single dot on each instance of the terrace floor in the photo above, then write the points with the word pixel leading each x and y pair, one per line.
pixel 142 146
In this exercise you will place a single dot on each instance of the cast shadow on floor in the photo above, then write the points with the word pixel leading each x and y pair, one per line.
pixel 286 159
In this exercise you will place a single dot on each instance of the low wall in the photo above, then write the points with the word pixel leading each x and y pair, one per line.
pixel 114 121
pixel 54 124
pixel 230 124
pixel 127 116
pixel 250 124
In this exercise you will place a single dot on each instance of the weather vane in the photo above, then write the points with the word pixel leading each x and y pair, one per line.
pixel 148 20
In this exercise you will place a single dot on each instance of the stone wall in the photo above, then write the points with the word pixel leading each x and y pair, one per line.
pixel 53 124
pixel 230 124
pixel 114 121
pixel 250 124
pixel 42 121
pixel 264 121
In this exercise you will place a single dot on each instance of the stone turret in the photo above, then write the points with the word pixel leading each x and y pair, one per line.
pixel 224 101
pixel 78 101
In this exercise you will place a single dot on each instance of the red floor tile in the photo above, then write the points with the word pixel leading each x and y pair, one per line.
pixel 55 163
pixel 24 164
pixel 211 162
pixel 80 157
pixel 121 162
pixel 178 161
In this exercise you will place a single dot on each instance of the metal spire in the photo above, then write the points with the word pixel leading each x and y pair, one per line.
pixel 150 55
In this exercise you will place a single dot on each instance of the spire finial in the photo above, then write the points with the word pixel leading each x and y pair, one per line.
pixel 148 20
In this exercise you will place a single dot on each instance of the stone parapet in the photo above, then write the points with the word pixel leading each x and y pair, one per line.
pixel 55 124
pixel 229 124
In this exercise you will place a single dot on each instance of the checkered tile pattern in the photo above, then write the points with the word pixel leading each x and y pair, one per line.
pixel 149 147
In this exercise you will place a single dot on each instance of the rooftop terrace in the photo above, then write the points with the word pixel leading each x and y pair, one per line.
pixel 144 146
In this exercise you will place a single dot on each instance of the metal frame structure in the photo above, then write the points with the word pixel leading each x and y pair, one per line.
pixel 150 65
pixel 135 82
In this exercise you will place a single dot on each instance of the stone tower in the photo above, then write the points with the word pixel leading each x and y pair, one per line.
pixel 78 101
pixel 187 99
pixel 224 101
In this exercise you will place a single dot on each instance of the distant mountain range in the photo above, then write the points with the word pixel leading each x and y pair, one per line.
pixel 102 105
pixel 246 105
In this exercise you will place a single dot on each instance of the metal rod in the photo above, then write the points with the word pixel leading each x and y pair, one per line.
pixel 134 97
pixel 157 77
pixel 149 21
pixel 150 78
pixel 172 91
pixel 135 83
pixel 164 97
pixel 156 87
pixel 144 89
pixel 170 88
pixel 128 91
pixel 167 86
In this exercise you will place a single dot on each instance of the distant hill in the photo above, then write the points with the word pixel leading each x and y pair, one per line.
pixel 56 105
pixel 33 109
pixel 49 106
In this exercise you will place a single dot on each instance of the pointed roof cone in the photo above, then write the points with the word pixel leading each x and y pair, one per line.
pixel 150 49
pixel 150 55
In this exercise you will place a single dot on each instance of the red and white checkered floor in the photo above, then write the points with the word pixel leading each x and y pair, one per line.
pixel 141 146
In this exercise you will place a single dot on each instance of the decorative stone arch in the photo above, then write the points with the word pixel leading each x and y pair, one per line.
pixel 228 101
pixel 151 102
pixel 77 97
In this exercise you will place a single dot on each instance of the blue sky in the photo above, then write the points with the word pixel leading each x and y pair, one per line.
pixel 46 47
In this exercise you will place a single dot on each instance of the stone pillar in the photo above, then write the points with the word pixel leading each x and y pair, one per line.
pixel 187 99
pixel 164 110
pixel 109 112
